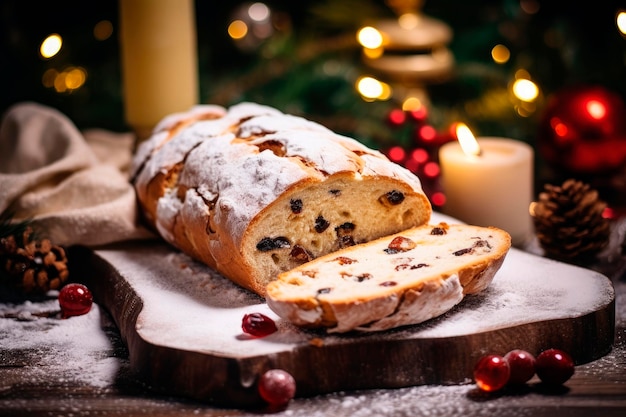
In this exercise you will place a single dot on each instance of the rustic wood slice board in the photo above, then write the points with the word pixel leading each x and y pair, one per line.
pixel 181 322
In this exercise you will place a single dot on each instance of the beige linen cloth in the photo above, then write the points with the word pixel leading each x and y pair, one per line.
pixel 73 185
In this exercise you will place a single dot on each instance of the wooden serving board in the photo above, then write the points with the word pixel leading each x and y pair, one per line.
pixel 181 322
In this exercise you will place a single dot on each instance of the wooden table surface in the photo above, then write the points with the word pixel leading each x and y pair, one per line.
pixel 39 376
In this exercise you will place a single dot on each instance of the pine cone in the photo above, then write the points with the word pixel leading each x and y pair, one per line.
pixel 31 266
pixel 569 224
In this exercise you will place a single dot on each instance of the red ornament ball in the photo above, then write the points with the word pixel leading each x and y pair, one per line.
pixel 522 366
pixel 554 367
pixel 258 325
pixel 75 300
pixel 491 373
pixel 583 131
pixel 277 387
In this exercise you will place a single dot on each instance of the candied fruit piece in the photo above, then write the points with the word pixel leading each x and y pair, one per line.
pixel 296 206
pixel 267 243
pixel 321 224
pixel 462 252
pixel 392 198
pixel 400 244
pixel 395 197
pixel 299 254
pixel 345 241
pixel 344 260
pixel 344 229
pixel 402 267
pixel 364 277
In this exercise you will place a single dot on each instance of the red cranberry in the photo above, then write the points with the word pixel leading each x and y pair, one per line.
pixel 75 300
pixel 258 325
pixel 554 366
pixel 522 366
pixel 491 373
pixel 277 387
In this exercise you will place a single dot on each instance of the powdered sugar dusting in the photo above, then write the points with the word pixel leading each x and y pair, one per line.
pixel 527 289
pixel 189 306
pixel 73 349
pixel 246 158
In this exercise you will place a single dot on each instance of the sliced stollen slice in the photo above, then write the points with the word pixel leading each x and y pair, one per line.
pixel 406 278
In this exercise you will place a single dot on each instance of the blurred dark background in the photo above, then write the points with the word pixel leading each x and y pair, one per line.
pixel 586 46
pixel 311 61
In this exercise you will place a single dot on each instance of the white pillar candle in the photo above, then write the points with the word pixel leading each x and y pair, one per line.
pixel 159 60
pixel 493 188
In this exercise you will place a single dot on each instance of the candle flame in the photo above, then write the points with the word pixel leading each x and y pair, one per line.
pixel 466 139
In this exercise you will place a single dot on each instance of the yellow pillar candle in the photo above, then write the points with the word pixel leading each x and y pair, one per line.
pixel 491 186
pixel 159 60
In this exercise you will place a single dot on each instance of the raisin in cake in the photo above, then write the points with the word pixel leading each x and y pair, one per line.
pixel 402 279
pixel 253 192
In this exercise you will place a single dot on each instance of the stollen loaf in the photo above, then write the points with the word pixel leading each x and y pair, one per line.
pixel 402 279
pixel 253 192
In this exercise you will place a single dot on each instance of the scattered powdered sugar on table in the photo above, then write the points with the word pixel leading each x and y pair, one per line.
pixel 74 349
pixel 426 400
pixel 77 349
pixel 187 305
pixel 526 289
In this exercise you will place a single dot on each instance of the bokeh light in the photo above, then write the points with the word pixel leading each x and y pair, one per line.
pixel 432 169
pixel 370 37
pixel 396 154
pixel 66 81
pixel 525 90
pixel 427 133
pixel 51 46
pixel 621 22
pixel 438 198
pixel 258 12
pixel 103 30
pixel 596 109
pixel 500 54
pixel 372 89
pixel 237 29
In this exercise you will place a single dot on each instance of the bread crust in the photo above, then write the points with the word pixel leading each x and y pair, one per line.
pixel 253 192
pixel 417 294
